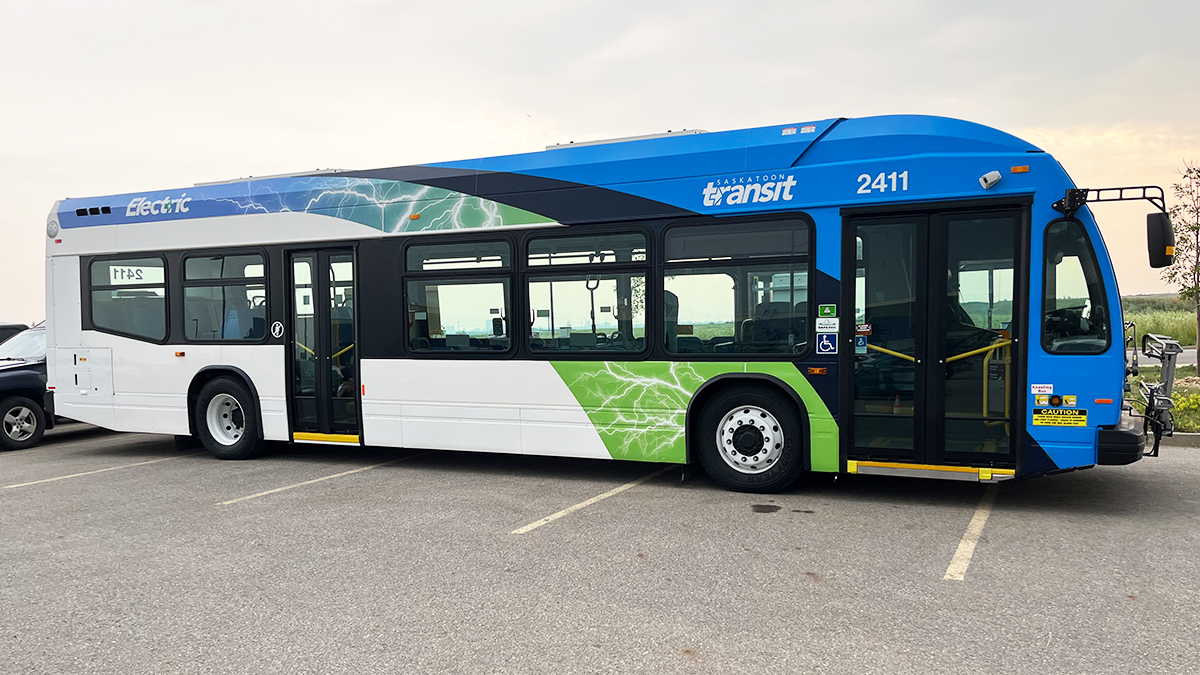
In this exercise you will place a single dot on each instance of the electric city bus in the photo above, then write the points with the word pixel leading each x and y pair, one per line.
pixel 902 295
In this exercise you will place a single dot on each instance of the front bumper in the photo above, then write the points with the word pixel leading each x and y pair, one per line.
pixel 1124 443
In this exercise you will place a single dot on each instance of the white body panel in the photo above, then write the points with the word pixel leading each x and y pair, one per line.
pixel 230 231
pixel 485 406
pixel 142 387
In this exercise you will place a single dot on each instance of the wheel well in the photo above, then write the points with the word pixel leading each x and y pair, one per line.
pixel 37 397
pixel 211 373
pixel 722 382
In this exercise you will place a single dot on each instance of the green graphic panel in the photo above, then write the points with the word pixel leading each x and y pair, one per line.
pixel 639 407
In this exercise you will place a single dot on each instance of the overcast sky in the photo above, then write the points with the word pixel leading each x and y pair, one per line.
pixel 108 97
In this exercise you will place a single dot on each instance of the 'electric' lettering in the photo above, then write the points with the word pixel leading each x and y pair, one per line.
pixel 140 206
pixel 741 191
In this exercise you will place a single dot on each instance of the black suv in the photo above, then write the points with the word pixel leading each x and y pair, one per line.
pixel 26 408
pixel 8 330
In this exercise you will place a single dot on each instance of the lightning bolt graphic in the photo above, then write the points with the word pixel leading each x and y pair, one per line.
pixel 637 408
pixel 389 206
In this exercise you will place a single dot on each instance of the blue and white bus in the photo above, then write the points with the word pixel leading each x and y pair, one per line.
pixel 900 295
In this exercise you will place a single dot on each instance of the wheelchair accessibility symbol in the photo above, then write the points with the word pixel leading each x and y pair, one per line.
pixel 826 343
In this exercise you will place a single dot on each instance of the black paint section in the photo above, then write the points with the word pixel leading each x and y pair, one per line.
pixel 563 201
pixel 382 317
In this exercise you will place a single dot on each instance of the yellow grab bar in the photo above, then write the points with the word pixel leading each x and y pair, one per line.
pixel 301 346
pixel 889 352
pixel 343 351
pixel 1007 393
pixel 973 352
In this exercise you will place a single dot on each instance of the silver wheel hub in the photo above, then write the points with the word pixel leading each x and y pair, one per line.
pixel 225 418
pixel 750 439
pixel 20 423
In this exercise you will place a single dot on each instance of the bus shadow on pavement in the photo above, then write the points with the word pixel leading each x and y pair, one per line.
pixel 1103 491
pixel 478 465
pixel 72 432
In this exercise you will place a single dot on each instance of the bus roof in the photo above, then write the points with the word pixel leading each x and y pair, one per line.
pixel 600 181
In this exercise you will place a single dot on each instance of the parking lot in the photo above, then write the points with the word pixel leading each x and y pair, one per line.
pixel 122 554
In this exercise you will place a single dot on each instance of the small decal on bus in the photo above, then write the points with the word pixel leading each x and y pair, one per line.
pixel 826 343
pixel 1059 417
pixel 827 325
pixel 1041 389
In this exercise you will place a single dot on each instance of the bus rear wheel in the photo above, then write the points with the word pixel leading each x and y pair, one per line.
pixel 750 440
pixel 226 419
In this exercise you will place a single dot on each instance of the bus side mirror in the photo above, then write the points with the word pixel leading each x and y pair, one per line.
pixel 1160 240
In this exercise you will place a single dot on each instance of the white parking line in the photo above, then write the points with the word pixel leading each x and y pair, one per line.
pixel 111 468
pixel 957 570
pixel 317 480
pixel 571 509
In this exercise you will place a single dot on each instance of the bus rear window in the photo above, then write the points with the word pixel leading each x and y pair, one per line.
pixel 1075 309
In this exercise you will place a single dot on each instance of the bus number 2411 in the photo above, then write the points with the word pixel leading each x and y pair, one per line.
pixel 891 182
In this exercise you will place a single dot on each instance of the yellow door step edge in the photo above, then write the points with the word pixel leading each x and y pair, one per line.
pixel 982 474
pixel 305 436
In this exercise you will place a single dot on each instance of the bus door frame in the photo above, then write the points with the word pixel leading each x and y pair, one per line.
pixel 933 213
pixel 322 394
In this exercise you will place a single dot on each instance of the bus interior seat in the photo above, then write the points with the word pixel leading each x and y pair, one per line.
pixel 200 320
pixel 149 315
pixel 772 322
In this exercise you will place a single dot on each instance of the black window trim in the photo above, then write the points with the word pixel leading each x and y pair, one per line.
pixel 1108 314
pixel 89 324
pixel 464 272
pixel 647 267
pixel 238 281
pixel 509 274
pixel 809 261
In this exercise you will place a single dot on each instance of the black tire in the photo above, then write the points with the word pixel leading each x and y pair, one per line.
pixel 786 459
pixel 248 442
pixel 15 432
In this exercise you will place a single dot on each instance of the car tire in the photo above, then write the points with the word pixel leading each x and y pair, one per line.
pixel 22 423
pixel 750 440
pixel 226 419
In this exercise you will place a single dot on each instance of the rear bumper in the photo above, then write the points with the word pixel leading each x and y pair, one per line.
pixel 1124 443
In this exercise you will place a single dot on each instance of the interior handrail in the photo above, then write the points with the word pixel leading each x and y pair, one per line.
pixel 889 352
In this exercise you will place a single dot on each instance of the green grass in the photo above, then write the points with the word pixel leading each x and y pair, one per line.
pixel 1144 304
pixel 1179 325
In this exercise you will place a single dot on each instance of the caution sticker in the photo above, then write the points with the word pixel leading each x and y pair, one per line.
pixel 1059 417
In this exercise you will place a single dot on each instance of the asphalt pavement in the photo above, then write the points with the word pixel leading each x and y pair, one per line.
pixel 121 554
pixel 1187 358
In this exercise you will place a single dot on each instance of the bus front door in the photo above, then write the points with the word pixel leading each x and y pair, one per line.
pixel 931 376
pixel 324 392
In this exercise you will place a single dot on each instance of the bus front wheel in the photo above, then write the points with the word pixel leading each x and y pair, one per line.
pixel 750 440
pixel 226 419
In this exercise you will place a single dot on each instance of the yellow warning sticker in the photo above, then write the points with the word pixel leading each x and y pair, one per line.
pixel 1059 417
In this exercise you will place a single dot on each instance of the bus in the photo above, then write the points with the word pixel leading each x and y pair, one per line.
pixel 900 295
